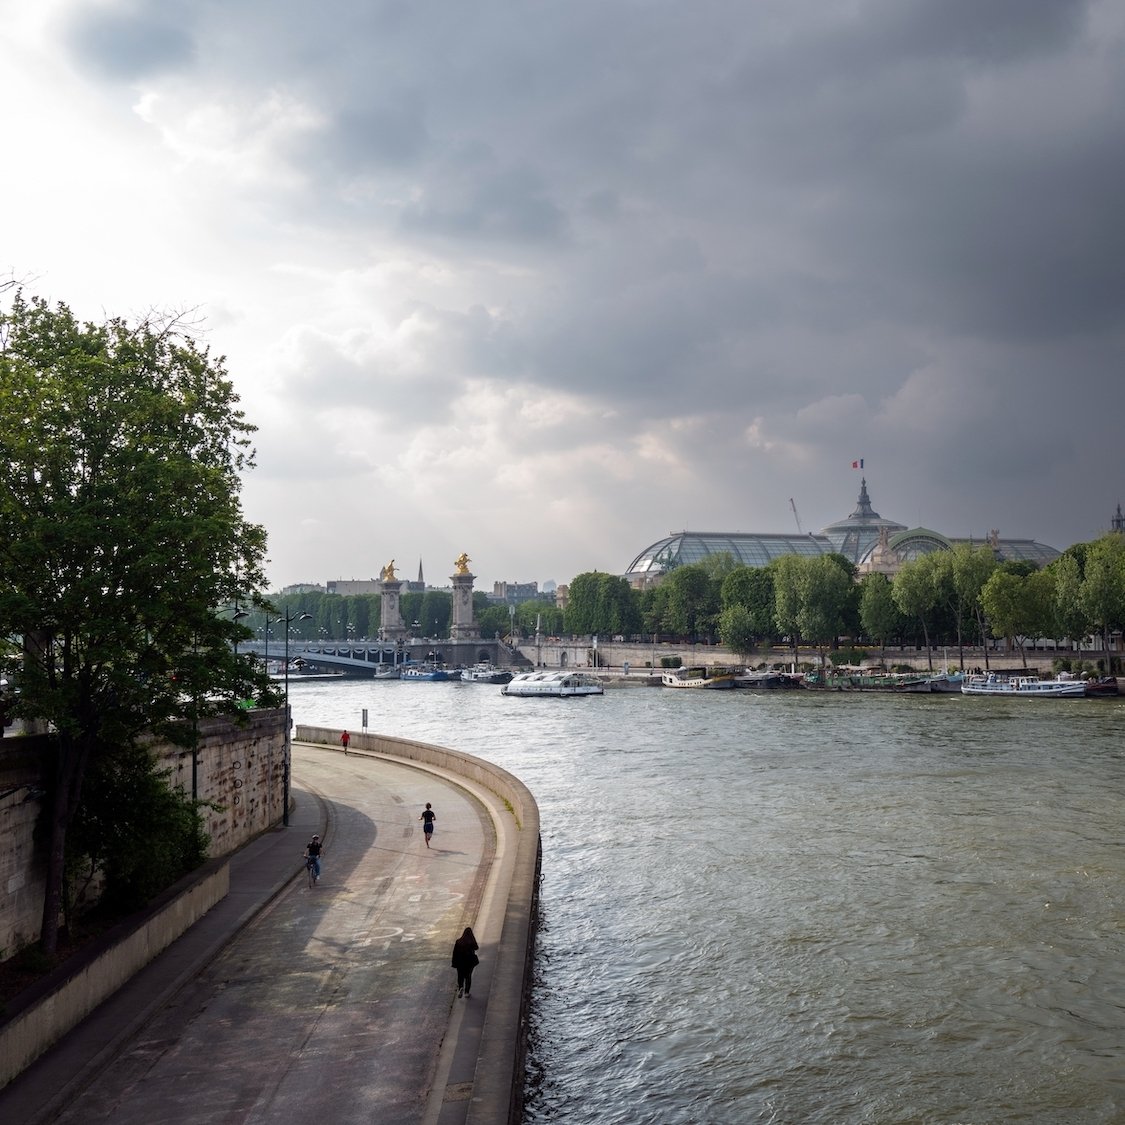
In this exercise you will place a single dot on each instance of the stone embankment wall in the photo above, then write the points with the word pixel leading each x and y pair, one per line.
pixel 640 657
pixel 240 776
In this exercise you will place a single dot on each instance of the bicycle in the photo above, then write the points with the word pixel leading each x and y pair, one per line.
pixel 310 869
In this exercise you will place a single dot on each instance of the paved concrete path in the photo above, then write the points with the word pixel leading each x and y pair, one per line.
pixel 334 1003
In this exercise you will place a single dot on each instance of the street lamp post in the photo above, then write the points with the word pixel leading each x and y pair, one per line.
pixel 288 720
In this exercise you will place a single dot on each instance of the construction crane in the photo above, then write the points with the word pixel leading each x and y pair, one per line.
pixel 795 516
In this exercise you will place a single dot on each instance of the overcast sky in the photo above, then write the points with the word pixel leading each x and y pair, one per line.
pixel 543 282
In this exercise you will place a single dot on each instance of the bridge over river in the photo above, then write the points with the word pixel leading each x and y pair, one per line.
pixel 363 659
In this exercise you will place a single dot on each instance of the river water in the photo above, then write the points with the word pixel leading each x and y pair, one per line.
pixel 803 907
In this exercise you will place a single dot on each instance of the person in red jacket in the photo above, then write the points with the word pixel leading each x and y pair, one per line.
pixel 345 738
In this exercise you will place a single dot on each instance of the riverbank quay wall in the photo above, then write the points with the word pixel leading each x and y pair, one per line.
pixel 499 1080
pixel 643 657
pixel 239 779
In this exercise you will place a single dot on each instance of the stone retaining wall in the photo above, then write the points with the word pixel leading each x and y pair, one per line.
pixel 239 775
pixel 46 1012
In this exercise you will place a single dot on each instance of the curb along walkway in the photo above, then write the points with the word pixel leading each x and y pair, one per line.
pixel 336 1002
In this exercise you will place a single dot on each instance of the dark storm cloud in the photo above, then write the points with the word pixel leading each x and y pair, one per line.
pixel 768 236
pixel 129 42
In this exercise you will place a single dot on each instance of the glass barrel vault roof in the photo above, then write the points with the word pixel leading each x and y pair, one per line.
pixel 686 547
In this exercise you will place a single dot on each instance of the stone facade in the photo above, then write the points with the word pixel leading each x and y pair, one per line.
pixel 463 627
pixel 240 776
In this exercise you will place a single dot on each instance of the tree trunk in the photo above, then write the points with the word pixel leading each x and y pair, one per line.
pixel 69 771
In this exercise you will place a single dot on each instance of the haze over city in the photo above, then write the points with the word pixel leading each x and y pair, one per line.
pixel 543 283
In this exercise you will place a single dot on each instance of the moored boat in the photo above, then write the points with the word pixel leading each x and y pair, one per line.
pixel 553 685
pixel 485 672
pixel 1024 687
pixel 698 676
pixel 768 681
pixel 1102 688
pixel 428 672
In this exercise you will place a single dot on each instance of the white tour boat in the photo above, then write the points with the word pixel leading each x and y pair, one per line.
pixel 699 676
pixel 555 685
pixel 1031 687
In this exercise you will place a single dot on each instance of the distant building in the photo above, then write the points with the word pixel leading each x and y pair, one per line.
pixel 865 538
pixel 514 593
pixel 303 588
pixel 349 586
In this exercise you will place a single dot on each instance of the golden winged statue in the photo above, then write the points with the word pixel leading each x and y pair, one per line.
pixel 387 574
pixel 461 562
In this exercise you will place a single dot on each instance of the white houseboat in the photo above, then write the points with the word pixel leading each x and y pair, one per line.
pixel 1025 687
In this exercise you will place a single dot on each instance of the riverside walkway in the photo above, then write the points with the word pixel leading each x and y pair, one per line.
pixel 335 1003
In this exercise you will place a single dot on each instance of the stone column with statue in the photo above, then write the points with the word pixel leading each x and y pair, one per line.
pixel 390 587
pixel 463 626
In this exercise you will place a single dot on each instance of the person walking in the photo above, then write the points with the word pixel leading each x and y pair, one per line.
pixel 312 853
pixel 465 960
pixel 428 816
pixel 345 738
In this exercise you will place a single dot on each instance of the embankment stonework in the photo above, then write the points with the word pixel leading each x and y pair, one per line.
pixel 239 776
pixel 42 1016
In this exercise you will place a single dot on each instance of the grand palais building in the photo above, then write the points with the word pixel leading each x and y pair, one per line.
pixel 864 538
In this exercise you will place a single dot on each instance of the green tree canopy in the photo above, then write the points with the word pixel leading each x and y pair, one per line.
pixel 1103 588
pixel 121 454
pixel 879 616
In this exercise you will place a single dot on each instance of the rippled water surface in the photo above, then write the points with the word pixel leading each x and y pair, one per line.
pixel 808 908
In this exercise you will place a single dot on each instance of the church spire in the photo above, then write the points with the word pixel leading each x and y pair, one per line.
pixel 421 580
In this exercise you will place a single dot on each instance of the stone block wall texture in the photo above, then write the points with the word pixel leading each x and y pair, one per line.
pixel 240 775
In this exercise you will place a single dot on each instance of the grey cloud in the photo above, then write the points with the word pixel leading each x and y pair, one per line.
pixel 129 43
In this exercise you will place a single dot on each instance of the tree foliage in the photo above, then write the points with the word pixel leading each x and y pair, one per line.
pixel 121 453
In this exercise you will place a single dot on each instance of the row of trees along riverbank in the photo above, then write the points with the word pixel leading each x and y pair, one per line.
pixel 948 599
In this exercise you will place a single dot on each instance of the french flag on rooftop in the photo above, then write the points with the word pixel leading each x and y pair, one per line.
pixel 858 464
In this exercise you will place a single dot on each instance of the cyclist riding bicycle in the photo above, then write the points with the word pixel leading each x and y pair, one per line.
pixel 312 856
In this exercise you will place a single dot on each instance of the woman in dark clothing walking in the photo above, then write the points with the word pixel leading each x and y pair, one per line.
pixel 465 960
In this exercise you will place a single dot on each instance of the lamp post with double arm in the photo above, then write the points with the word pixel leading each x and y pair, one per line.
pixel 288 619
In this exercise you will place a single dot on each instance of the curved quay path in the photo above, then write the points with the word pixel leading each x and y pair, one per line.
pixel 337 1003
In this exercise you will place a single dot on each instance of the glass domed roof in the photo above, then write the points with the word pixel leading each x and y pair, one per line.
pixel 857 538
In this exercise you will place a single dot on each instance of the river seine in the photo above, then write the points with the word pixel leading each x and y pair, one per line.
pixel 800 907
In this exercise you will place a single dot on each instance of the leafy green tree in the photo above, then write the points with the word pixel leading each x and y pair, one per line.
pixel 436 613
pixel 879 616
pixel 693 600
pixel 493 621
pixel 1020 606
pixel 751 588
pixel 582 604
pixel 825 590
pixel 134 829
pixel 548 616
pixel 736 629
pixel 121 455
pixel 1070 613
pixel 1103 588
pixel 971 569
pixel 654 609
pixel 915 593
pixel 602 604
pixel 787 576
